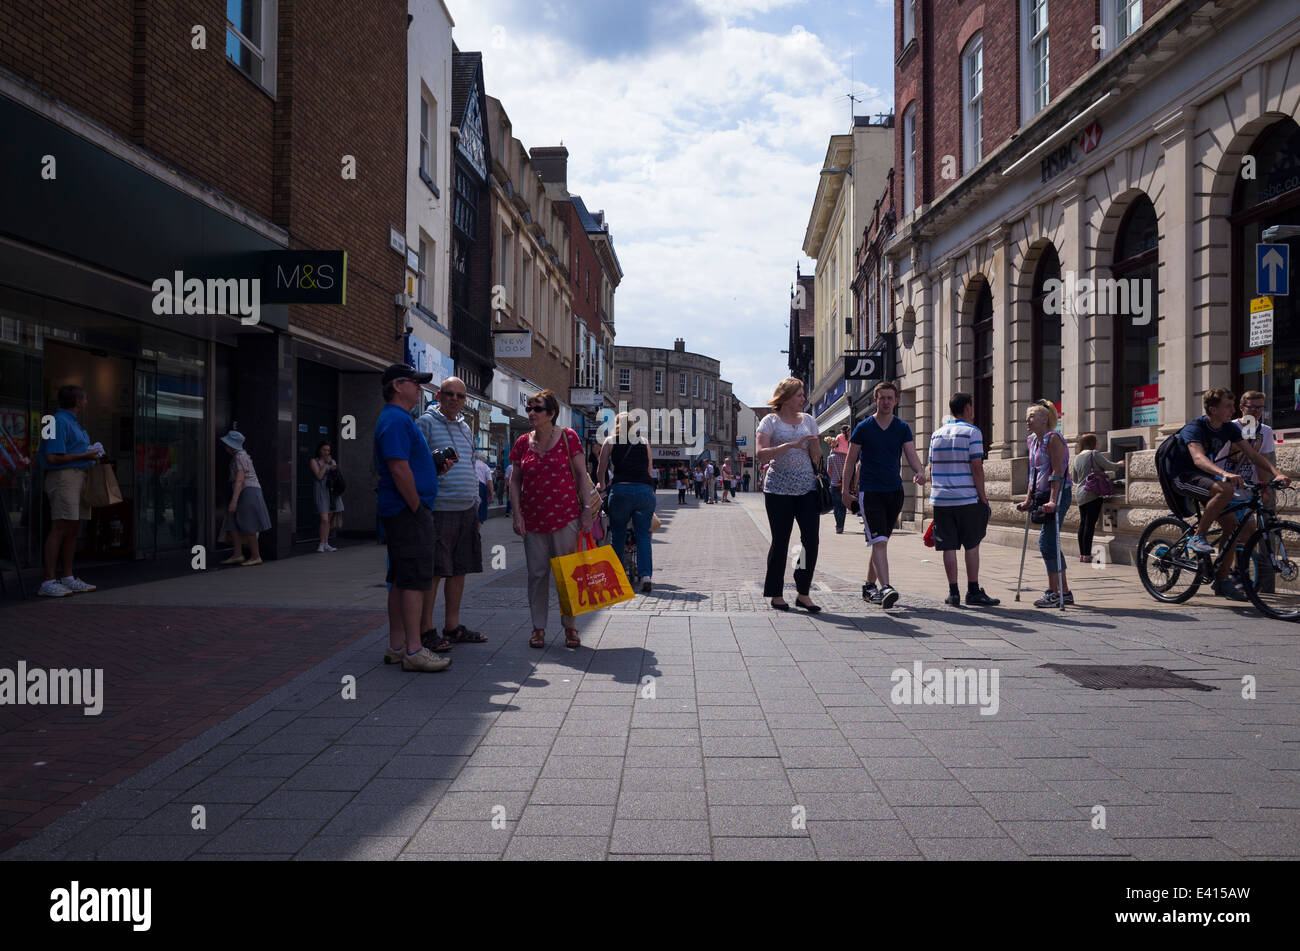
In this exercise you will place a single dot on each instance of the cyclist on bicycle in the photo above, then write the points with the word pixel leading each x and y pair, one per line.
pixel 1255 432
pixel 1197 476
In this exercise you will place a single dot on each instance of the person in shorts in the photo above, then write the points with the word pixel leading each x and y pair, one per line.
pixel 1197 476
pixel 408 489
pixel 960 502
pixel 458 550
pixel 879 442
pixel 65 458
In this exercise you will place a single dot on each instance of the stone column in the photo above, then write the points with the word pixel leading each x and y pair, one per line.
pixel 1186 330
pixel 1080 351
pixel 1002 286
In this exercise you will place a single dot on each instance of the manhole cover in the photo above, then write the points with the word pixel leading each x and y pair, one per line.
pixel 1113 677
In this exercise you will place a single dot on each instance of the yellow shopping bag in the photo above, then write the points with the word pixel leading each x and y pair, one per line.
pixel 589 579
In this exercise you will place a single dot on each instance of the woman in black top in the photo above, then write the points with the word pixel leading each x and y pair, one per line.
pixel 631 494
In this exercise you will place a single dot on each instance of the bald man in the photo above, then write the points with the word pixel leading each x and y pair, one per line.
pixel 458 549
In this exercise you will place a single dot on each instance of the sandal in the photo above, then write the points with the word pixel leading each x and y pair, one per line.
pixel 439 644
pixel 571 637
pixel 460 634
pixel 539 637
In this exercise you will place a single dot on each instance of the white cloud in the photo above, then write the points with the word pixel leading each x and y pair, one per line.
pixel 704 155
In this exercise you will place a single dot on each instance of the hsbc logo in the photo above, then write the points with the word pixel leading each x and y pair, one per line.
pixel 1091 137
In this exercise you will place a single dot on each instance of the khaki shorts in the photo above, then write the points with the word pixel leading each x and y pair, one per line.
pixel 458 548
pixel 64 486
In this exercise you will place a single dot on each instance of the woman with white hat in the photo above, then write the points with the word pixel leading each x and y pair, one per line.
pixel 247 515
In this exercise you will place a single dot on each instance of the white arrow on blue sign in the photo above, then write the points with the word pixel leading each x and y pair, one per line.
pixel 1272 265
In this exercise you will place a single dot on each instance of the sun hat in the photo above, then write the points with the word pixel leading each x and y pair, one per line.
pixel 234 439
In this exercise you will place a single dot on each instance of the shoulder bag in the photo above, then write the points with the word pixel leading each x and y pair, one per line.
pixel 1098 481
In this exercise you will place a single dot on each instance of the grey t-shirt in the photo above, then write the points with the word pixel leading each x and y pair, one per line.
pixel 792 473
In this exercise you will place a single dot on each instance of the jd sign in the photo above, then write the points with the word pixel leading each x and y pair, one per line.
pixel 866 367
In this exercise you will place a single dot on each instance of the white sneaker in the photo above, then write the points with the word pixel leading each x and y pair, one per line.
pixel 329 547
pixel 321 549
pixel 53 589
pixel 76 585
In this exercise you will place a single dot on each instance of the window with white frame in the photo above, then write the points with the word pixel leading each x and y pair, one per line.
pixel 428 141
pixel 250 39
pixel 1035 58
pixel 600 367
pixel 972 97
pixel 681 390
pixel 659 381
pixel 422 278
pixel 695 390
pixel 1120 20
pixel 909 21
pixel 581 369
pixel 625 379
pixel 909 159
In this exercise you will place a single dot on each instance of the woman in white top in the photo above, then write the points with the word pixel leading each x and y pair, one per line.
pixel 788 443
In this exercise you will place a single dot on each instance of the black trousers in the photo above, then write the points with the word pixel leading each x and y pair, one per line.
pixel 1089 515
pixel 782 512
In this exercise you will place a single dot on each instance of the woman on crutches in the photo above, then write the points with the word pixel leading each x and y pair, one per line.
pixel 1049 491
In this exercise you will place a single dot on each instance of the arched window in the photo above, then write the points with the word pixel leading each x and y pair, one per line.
pixel 983 368
pixel 1134 298
pixel 1045 335
pixel 1272 197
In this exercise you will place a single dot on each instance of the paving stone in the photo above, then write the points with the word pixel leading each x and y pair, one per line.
pixel 479 804
pixel 268 836
pixel 833 779
pixel 756 821
pixel 268 766
pixel 552 848
pixel 947 822
pixel 351 848
pixel 520 736
pixel 971 850
pixel 1180 850
pixel 580 792
pixel 150 848
pixel 819 756
pixel 859 840
pixel 483 778
pixel 1015 779
pixel 399 791
pixel 589 746
pixel 926 792
pixel 322 776
pixel 779 849
pixel 583 767
pixel 744 768
pixel 840 807
pixel 1259 839
pixel 300 804
pixel 1003 804
pixel 565 820
pixel 906 767
pixel 1062 838
pixel 663 756
pixel 233 789
pixel 663 777
pixel 508 756
pixel 366 820
pixel 461 836
pixel 435 744
pixel 747 746
pixel 663 804
pixel 660 837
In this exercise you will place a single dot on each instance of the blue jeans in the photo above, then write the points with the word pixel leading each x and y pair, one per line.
pixel 1049 537
pixel 837 492
pixel 482 503
pixel 636 502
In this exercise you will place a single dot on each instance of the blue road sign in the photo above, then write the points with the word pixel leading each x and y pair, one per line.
pixel 1272 265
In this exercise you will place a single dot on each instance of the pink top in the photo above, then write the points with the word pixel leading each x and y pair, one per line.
pixel 548 496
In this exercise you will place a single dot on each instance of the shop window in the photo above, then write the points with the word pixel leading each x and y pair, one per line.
pixel 1136 367
pixel 1046 331
pixel 1271 198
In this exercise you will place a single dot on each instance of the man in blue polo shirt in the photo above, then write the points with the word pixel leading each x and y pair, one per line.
pixel 65 458
pixel 880 441
pixel 408 487
pixel 961 505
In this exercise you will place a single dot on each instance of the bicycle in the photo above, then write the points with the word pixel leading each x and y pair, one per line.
pixel 1268 561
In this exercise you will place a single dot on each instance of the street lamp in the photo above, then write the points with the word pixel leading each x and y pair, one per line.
pixel 1281 231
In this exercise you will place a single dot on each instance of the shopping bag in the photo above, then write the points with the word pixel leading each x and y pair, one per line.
pixel 101 487
pixel 589 579
pixel 655 524
pixel 929 536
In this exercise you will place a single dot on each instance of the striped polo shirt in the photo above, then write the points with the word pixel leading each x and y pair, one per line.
pixel 952 447
pixel 458 486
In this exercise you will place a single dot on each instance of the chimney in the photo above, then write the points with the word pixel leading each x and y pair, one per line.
pixel 552 164
pixel 679 345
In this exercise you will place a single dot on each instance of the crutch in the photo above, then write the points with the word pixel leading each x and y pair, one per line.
pixel 1060 550
pixel 1025 546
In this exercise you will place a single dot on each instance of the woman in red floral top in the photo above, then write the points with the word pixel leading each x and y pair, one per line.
pixel 550 510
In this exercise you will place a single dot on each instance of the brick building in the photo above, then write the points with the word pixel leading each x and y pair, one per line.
pixel 1079 189
pixel 142 140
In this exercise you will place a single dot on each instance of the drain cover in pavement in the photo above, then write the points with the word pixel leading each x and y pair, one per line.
pixel 1112 677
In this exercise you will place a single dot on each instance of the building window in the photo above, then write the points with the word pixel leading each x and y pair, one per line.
pixel 625 379
pixel 428 142
pixel 909 21
pixel 505 261
pixel 983 330
pixel 659 381
pixel 695 390
pixel 250 39
pixel 972 97
pixel 1034 55
pixel 1124 20
pixel 681 390
pixel 1045 334
pixel 527 287
pixel 909 159
pixel 422 279
pixel 1136 374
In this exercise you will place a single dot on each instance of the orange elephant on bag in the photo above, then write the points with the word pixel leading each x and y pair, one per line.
pixel 596 580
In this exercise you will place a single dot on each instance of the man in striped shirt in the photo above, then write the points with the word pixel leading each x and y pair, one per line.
pixel 961 506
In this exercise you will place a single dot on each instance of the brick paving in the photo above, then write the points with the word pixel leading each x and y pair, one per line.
pixel 697 723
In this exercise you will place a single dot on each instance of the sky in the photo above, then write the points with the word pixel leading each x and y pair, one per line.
pixel 699 127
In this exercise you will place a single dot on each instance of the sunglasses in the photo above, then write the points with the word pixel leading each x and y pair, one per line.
pixel 537 409
pixel 451 394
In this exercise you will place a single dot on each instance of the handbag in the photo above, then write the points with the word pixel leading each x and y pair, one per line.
pixel 1098 481
pixel 101 489
pixel 335 483
pixel 655 524
pixel 825 496
pixel 590 579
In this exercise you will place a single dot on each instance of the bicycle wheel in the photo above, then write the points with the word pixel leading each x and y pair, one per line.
pixel 1169 571
pixel 1271 571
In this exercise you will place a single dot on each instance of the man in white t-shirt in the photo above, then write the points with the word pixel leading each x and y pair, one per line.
pixel 1259 435
pixel 709 497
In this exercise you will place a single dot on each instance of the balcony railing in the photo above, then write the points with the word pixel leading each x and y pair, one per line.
pixel 472 334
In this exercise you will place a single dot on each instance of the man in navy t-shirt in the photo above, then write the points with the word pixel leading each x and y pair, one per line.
pixel 879 442
pixel 408 486
pixel 1195 474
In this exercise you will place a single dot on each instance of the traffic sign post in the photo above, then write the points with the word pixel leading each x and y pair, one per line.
pixel 1261 337
pixel 1272 269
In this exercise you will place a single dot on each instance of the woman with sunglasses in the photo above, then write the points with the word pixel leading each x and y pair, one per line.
pixel 552 500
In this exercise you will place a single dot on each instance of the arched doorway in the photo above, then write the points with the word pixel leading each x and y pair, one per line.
pixel 1272 197
pixel 1046 331
pixel 982 368
pixel 1136 358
